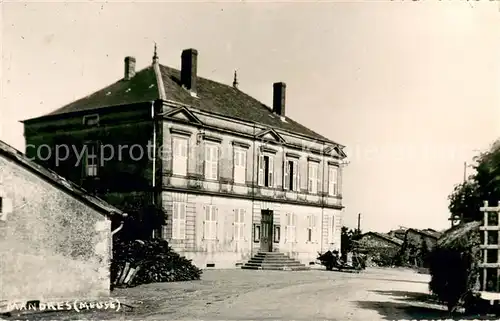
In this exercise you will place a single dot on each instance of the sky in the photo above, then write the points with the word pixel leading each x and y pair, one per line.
pixel 411 88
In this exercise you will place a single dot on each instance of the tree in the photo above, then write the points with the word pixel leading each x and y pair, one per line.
pixel 347 236
pixel 484 185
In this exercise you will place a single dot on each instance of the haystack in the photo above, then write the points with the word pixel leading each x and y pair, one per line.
pixel 454 263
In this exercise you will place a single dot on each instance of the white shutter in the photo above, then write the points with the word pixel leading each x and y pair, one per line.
pixel 215 162
pixel 182 221
pixel 215 211
pixel 208 156
pixel 294 229
pixel 315 229
pixel 175 221
pixel 271 171
pixel 206 223
pixel 261 170
pixel 318 179
pixel 286 175
pixel 235 225
pixel 295 176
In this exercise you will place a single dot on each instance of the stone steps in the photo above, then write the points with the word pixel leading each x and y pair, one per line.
pixel 274 261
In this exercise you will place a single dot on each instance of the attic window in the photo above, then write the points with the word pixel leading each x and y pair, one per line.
pixel 91 120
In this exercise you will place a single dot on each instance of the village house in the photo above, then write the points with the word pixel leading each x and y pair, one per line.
pixel 416 236
pixel 378 247
pixel 55 239
pixel 232 176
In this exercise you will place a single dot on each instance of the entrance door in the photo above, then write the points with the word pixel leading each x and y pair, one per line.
pixel 266 234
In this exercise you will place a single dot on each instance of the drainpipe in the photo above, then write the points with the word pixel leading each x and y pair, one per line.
pixel 322 196
pixel 118 229
pixel 253 190
pixel 154 158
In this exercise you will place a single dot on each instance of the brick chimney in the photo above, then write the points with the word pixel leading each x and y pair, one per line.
pixel 279 91
pixel 189 60
pixel 129 68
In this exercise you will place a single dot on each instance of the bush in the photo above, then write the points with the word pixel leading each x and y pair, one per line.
pixel 453 264
pixel 156 260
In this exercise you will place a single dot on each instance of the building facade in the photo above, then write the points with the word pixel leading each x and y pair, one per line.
pixel 55 239
pixel 231 175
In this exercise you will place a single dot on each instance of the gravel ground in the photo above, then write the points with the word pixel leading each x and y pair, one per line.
pixel 374 294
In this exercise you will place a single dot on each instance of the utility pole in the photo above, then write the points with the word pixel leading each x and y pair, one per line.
pixel 359 222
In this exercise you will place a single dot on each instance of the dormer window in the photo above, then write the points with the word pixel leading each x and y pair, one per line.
pixel 91 120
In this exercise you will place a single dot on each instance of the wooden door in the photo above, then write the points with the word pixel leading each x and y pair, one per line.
pixel 266 234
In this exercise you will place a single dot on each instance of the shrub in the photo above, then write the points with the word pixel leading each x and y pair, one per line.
pixel 156 260
pixel 453 264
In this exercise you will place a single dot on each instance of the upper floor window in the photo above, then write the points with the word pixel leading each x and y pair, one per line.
pixel 5 207
pixel 240 165
pixel 313 176
pixel 210 223
pixel 91 120
pixel 291 175
pixel 333 180
pixel 211 161
pixel 178 220
pixel 266 170
pixel 91 159
pixel 179 155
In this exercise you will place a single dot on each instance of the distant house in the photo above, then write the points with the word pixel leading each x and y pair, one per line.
pixel 378 245
pixel 429 236
pixel 399 233
pixel 55 239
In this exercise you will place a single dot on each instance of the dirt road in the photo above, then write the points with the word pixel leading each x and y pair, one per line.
pixel 274 295
pixel 376 294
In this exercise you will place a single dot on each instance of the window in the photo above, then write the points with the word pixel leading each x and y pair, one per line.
pixel 266 170
pixel 240 164
pixel 333 180
pixel 291 219
pixel 256 233
pixel 239 224
pixel 291 175
pixel 313 178
pixel 178 221
pixel 331 229
pixel 91 160
pixel 311 228
pixel 91 120
pixel 277 234
pixel 179 153
pixel 211 161
pixel 210 223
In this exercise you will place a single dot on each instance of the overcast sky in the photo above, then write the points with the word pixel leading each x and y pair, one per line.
pixel 411 88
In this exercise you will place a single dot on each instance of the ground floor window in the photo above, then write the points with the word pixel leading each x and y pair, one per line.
pixel 291 220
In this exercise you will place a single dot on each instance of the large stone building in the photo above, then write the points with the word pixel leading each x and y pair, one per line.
pixel 55 239
pixel 232 175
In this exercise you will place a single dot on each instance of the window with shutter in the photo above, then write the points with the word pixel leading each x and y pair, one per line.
pixel 239 223
pixel 261 170
pixel 178 220
pixel 286 175
pixel 332 180
pixel 179 155
pixel 239 165
pixel 290 227
pixel 313 177
pixel 210 223
pixel 270 171
pixel 211 161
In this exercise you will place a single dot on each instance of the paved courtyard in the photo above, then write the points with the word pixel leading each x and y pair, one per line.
pixel 375 294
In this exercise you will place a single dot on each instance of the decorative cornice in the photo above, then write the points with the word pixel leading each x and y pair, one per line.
pixel 211 138
pixel 179 131
pixel 292 155
pixel 265 149
pixel 313 159
pixel 240 144
pixel 333 163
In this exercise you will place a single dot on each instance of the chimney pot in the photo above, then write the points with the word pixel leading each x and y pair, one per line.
pixel 129 67
pixel 189 61
pixel 279 93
